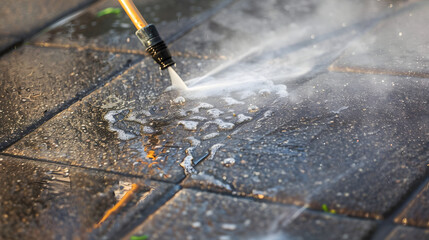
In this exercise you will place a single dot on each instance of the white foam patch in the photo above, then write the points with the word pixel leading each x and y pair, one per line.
pixel 210 136
pixel 228 162
pixel 212 181
pixel 231 101
pixel 198 118
pixel 110 118
pixel 201 106
pixel 214 149
pixel 215 112
pixel 221 125
pixel 193 141
pixel 179 100
pixel 243 118
pixel 189 125
pixel 148 130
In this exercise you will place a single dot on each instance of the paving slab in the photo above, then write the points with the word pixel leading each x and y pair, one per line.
pixel 397 46
pixel 250 26
pixel 112 129
pixel 116 32
pixel 6 42
pixel 355 143
pixel 21 18
pixel 416 213
pixel 206 215
pixel 401 233
pixel 38 82
pixel 49 201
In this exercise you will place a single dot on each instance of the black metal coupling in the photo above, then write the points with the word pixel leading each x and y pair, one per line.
pixel 155 46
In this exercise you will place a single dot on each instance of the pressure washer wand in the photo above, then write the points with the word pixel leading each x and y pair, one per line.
pixel 148 35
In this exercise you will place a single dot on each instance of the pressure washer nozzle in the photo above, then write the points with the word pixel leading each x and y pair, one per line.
pixel 155 46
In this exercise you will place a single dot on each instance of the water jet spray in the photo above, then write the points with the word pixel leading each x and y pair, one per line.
pixel 150 38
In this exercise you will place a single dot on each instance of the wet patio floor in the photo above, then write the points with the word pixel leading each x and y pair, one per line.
pixel 304 120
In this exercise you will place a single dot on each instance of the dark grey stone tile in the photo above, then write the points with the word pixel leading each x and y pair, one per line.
pixel 417 211
pixel 49 201
pixel 397 46
pixel 132 126
pixel 37 82
pixel 353 142
pixel 20 18
pixel 6 42
pixel 402 233
pixel 201 215
pixel 115 32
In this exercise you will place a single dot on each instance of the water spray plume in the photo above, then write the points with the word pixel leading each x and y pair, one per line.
pixel 150 38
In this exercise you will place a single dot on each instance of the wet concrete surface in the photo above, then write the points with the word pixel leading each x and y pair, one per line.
pixel 396 46
pixel 331 142
pixel 36 83
pixel 23 18
pixel 115 32
pixel 49 201
pixel 289 149
pixel 401 233
pixel 209 216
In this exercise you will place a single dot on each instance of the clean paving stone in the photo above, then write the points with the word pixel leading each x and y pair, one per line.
pixel 354 143
pixel 398 45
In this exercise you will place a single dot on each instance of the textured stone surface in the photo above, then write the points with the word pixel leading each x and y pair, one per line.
pixel 417 211
pixel 117 33
pixel 51 201
pixel 38 82
pixel 108 129
pixel 353 142
pixel 209 216
pixel 402 233
pixel 398 45
pixel 20 18
pixel 6 42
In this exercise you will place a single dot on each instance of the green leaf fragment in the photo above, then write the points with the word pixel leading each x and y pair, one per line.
pixel 142 237
pixel 325 208
pixel 110 10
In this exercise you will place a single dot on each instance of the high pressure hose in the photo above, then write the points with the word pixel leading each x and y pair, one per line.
pixel 148 35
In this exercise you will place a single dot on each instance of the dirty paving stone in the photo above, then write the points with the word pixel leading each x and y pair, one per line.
pixel 116 31
pixel 109 130
pixel 53 201
pixel 397 46
pixel 417 212
pixel 38 82
pixel 355 143
pixel 402 233
pixel 132 126
pixel 210 216
pixel 21 18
